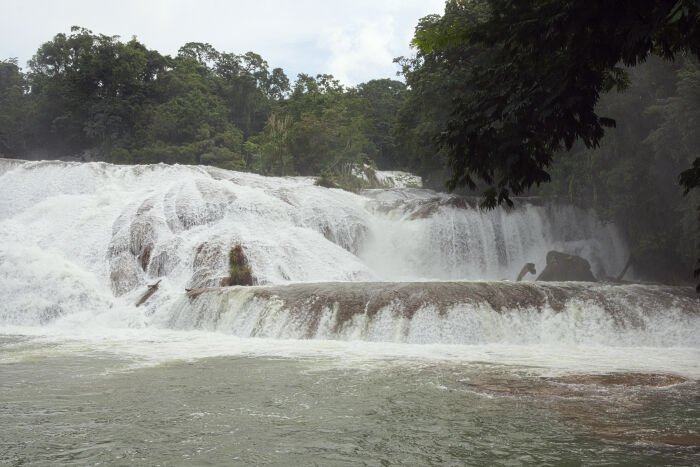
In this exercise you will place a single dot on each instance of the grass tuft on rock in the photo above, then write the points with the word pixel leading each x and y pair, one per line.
pixel 239 272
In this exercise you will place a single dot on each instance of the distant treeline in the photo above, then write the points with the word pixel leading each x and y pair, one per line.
pixel 127 104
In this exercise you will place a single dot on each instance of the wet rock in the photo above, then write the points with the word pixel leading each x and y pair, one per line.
pixel 151 290
pixel 160 264
pixel 208 265
pixel 209 255
pixel 196 203
pixel 350 235
pixel 142 233
pixel 203 278
pixel 656 380
pixel 431 206
pixel 689 440
pixel 440 312
pixel 8 164
pixel 125 274
pixel 565 267
pixel 50 313
pixel 145 256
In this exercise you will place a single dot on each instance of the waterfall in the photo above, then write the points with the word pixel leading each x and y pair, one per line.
pixel 80 242
pixel 420 234
pixel 448 313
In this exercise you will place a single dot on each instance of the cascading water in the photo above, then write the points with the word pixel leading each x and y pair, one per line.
pixel 420 234
pixel 79 243
pixel 447 313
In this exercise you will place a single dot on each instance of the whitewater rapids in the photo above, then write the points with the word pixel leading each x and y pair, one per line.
pixel 105 230
pixel 406 267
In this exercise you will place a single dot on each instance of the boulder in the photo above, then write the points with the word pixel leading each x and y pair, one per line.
pixel 565 267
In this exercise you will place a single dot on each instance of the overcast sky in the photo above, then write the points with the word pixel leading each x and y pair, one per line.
pixel 355 40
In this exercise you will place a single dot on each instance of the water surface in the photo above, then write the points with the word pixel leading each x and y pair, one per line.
pixel 82 404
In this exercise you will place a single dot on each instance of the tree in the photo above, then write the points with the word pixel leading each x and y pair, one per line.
pixel 550 61
pixel 15 109
pixel 631 177
pixel 203 53
pixel 435 77
pixel 382 99
pixel 536 93
pixel 278 84
pixel 91 90
pixel 126 104
pixel 320 128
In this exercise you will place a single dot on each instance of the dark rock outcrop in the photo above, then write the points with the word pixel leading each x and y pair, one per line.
pixel 565 267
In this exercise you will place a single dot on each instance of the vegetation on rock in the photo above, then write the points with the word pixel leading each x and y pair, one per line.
pixel 239 272
pixel 350 177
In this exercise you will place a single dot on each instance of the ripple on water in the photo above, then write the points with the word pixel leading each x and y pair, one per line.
pixel 276 410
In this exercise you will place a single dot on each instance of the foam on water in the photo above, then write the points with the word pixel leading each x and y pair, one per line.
pixel 148 347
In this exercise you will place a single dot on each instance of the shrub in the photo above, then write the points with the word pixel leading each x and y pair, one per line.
pixel 239 270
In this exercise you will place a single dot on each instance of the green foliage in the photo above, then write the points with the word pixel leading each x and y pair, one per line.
pixel 549 62
pixel 346 177
pixel 322 126
pixel 532 74
pixel 223 158
pixel 269 150
pixel 15 109
pixel 350 177
pixel 240 275
pixel 327 180
pixel 631 178
pixel 239 270
pixel 380 100
pixel 129 104
pixel 436 78
pixel 91 91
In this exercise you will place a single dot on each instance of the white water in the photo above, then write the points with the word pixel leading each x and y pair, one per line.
pixel 73 236
pixel 448 314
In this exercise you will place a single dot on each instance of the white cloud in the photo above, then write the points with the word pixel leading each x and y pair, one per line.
pixel 361 51
pixel 354 40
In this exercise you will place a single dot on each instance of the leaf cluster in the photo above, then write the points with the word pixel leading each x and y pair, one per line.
pixel 501 89
pixel 548 65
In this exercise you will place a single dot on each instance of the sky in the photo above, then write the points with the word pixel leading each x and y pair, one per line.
pixel 354 40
